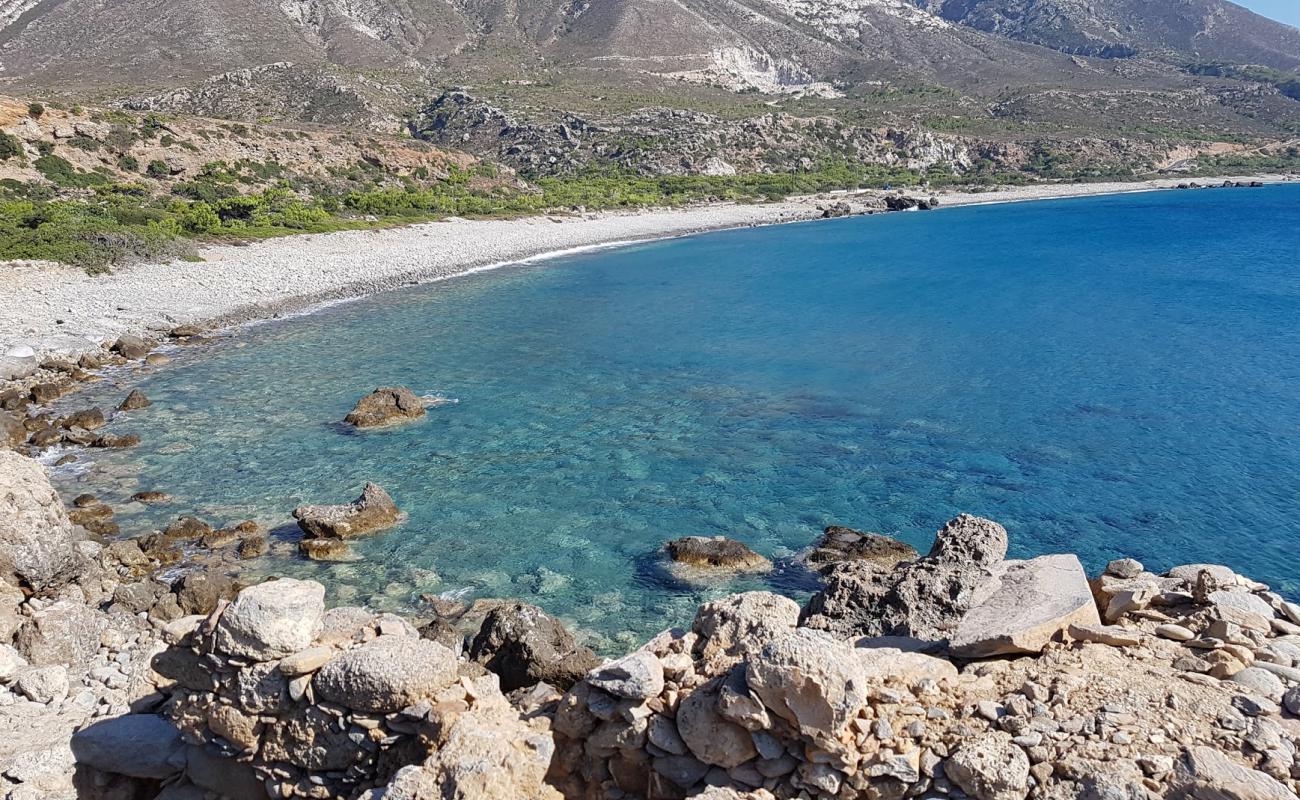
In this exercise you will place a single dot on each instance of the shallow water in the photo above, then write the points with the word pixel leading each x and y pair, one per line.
pixel 1109 376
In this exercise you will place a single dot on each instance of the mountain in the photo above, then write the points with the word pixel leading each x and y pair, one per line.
pixel 1000 70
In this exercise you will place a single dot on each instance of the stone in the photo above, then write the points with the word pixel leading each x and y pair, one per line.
pixel 733 627
pixel 306 661
pixel 326 550
pixel 1125 568
pixel 1204 772
pixel 1261 682
pixel 138 745
pixel 716 552
pixel 1111 635
pixel 1035 602
pixel 132 347
pixel 272 620
pixel 43 684
pixel 1190 572
pixel 990 767
pixel 1243 601
pixel 63 633
pixel 638 676
pixel 1176 633
pixel 708 735
pixel 1291 700
pixel 845 544
pixel 116 442
pixel 36 541
pixel 969 540
pixel 199 592
pixel 134 401
pixel 12 432
pixel 524 646
pixel 11 661
pixel 14 368
pixel 384 407
pixel 374 510
pixel 811 680
pixel 88 419
pixel 386 674
pixel 151 498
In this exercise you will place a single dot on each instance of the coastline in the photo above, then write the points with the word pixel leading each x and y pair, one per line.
pixel 60 310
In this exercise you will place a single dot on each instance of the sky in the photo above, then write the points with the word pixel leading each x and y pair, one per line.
pixel 1284 10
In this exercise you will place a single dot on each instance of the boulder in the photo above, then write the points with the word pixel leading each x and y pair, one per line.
pixel 36 542
pixel 990 767
pixel 1205 772
pixel 386 674
pixel 1125 568
pixel 14 368
pixel 87 419
pixel 65 632
pixel 638 676
pixel 845 544
pixel 1035 602
pixel 12 431
pixel 374 510
pixel 812 680
pixel 43 684
pixel 200 592
pixel 138 745
pixel 132 347
pixel 135 401
pixel 272 620
pixel 326 550
pixel 716 553
pixel 384 407
pixel 710 737
pixel 970 540
pixel 11 661
pixel 525 646
pixel 733 627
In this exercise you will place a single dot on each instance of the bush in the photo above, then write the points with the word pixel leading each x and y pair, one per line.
pixel 60 172
pixel 36 110
pixel 128 163
pixel 158 169
pixel 10 146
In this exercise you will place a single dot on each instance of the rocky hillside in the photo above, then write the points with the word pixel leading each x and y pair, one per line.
pixel 1004 70
pixel 957 673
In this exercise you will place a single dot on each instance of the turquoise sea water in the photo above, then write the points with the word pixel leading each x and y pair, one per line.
pixel 1113 376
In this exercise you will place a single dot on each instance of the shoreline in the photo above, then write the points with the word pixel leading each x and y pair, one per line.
pixel 58 310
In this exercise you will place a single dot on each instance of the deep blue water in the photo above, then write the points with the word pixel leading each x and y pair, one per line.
pixel 1113 376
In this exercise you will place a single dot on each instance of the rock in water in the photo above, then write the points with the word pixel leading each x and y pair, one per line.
pixel 525 646
pixel 845 544
pixel 134 401
pixel 132 347
pixel 1035 602
pixel 718 553
pixel 374 510
pixel 383 407
pixel 36 543
pixel 272 620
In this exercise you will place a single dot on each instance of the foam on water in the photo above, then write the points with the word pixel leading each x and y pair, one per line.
pixel 1108 376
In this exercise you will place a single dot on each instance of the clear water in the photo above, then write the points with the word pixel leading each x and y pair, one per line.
pixel 1114 376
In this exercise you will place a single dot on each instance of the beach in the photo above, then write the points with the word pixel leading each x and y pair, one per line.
pixel 56 309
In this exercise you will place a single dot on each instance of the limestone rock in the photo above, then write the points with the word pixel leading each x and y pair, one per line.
pixel 43 684
pixel 36 542
pixel 385 407
pixel 374 510
pixel 1261 682
pixel 386 674
pixel 134 401
pixel 12 432
pixel 272 620
pixel 811 680
pixel 65 632
pixel 716 553
pixel 1124 568
pixel 1111 635
pixel 1204 772
pixel 138 745
pixel 845 544
pixel 11 661
pixel 990 767
pixel 525 646
pixel 710 737
pixel 1036 602
pixel 969 539
pixel 735 626
pixel 638 676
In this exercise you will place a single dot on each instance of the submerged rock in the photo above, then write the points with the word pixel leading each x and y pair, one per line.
pixel 374 510
pixel 717 553
pixel 384 407
pixel 524 646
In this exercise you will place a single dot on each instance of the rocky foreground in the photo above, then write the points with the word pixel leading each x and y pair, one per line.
pixel 956 674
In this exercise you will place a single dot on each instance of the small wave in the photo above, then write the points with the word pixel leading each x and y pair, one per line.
pixel 438 400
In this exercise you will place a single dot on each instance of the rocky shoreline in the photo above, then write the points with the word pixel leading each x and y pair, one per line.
pixel 955 673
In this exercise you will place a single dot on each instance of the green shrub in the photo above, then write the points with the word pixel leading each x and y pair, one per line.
pixel 158 169
pixel 10 146
pixel 36 110
pixel 60 172
pixel 128 163
pixel 84 143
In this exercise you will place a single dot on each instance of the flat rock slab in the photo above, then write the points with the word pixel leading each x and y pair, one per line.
pixel 1036 602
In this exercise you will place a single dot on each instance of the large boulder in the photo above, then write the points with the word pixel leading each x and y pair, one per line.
pixel 710 737
pixel 845 544
pixel 923 599
pixel 385 407
pixel 374 510
pixel 1034 602
pixel 137 745
pixel 132 347
pixel 66 632
pixel 36 541
pixel 716 552
pixel 525 646
pixel 733 627
pixel 272 620
pixel 386 674
pixel 812 680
